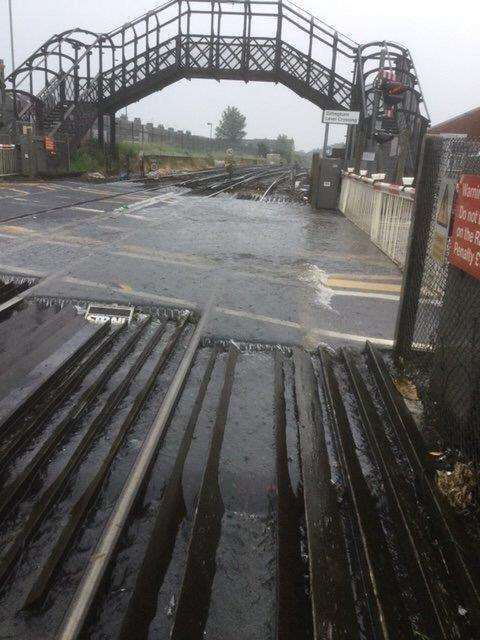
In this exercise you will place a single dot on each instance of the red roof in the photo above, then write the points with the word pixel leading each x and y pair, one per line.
pixel 468 123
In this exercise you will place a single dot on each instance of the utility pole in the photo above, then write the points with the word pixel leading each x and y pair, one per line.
pixel 3 96
pixel 12 46
pixel 210 124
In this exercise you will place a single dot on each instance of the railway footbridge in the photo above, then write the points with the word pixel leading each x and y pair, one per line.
pixel 78 75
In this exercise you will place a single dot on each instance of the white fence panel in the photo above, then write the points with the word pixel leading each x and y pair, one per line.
pixel 382 211
pixel 8 160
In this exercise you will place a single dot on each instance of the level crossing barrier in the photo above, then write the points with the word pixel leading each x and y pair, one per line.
pixel 383 211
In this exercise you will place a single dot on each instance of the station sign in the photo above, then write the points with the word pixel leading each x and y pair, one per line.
pixel 340 117
pixel 465 244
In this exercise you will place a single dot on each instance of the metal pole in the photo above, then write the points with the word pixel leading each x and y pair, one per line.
pixel 12 46
pixel 325 141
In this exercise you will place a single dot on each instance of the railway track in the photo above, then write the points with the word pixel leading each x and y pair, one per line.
pixel 156 486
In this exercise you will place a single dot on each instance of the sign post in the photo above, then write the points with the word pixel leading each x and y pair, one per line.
pixel 465 245
pixel 332 116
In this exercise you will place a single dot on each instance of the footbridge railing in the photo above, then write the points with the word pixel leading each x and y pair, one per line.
pixel 79 75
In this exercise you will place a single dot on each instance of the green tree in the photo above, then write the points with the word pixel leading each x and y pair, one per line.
pixel 232 125
pixel 262 149
pixel 285 147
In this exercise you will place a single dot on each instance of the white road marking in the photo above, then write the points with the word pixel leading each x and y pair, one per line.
pixel 238 313
pixel 365 294
pixel 88 209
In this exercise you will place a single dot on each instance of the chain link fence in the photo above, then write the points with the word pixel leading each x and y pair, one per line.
pixel 438 327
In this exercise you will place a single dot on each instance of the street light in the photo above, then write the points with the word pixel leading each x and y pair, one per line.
pixel 12 48
pixel 210 124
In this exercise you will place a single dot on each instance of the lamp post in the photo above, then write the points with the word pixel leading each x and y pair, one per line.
pixel 210 124
pixel 12 46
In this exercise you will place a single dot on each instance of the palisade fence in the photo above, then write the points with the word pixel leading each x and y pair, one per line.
pixel 438 326
pixel 381 210
pixel 8 160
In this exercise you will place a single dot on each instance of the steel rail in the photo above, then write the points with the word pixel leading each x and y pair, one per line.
pixel 192 608
pixel 69 384
pixel 392 615
pixel 64 368
pixel 274 184
pixel 438 612
pixel 79 511
pixel 48 498
pixel 458 552
pixel 12 492
pixel 142 606
pixel 84 597
pixel 243 180
pixel 331 594
pixel 290 609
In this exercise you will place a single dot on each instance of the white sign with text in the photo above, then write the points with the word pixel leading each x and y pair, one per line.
pixel 340 117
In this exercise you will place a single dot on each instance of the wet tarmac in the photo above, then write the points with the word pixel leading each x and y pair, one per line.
pixel 270 265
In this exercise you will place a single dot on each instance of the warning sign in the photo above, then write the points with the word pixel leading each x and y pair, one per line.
pixel 50 145
pixel 465 247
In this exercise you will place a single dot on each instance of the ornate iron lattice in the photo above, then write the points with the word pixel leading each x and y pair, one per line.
pixel 77 75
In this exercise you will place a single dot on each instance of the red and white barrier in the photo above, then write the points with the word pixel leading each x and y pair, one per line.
pixel 382 210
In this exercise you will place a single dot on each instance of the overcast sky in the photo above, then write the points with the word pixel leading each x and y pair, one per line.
pixel 444 44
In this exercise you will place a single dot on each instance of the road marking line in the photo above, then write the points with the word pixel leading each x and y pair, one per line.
pixel 386 287
pixel 18 230
pixel 366 276
pixel 24 193
pixel 137 206
pixel 365 294
pixel 351 337
pixel 87 209
pixel 189 304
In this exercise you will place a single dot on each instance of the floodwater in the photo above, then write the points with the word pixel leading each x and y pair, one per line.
pixel 267 264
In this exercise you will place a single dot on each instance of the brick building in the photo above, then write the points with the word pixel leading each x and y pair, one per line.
pixel 467 123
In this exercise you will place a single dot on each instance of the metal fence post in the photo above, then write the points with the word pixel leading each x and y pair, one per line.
pixel 416 252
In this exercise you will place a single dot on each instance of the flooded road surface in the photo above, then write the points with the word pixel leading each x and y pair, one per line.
pixel 288 497
pixel 281 273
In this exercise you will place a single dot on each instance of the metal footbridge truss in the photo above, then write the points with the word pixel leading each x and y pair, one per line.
pixel 78 75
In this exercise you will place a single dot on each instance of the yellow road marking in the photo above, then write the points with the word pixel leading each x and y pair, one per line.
pixel 53 238
pixel 18 230
pixel 364 276
pixel 340 283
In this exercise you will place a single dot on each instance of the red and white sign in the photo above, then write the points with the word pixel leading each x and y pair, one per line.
pixel 465 245
pixel 50 145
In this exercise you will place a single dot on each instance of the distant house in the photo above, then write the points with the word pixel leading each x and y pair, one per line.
pixel 465 124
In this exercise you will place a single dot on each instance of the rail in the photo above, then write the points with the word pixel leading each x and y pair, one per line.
pixel 383 211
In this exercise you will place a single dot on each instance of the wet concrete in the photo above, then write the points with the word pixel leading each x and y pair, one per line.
pixel 268 264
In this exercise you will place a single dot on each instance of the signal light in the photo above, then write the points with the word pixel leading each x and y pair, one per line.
pixel 382 136
pixel 393 92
